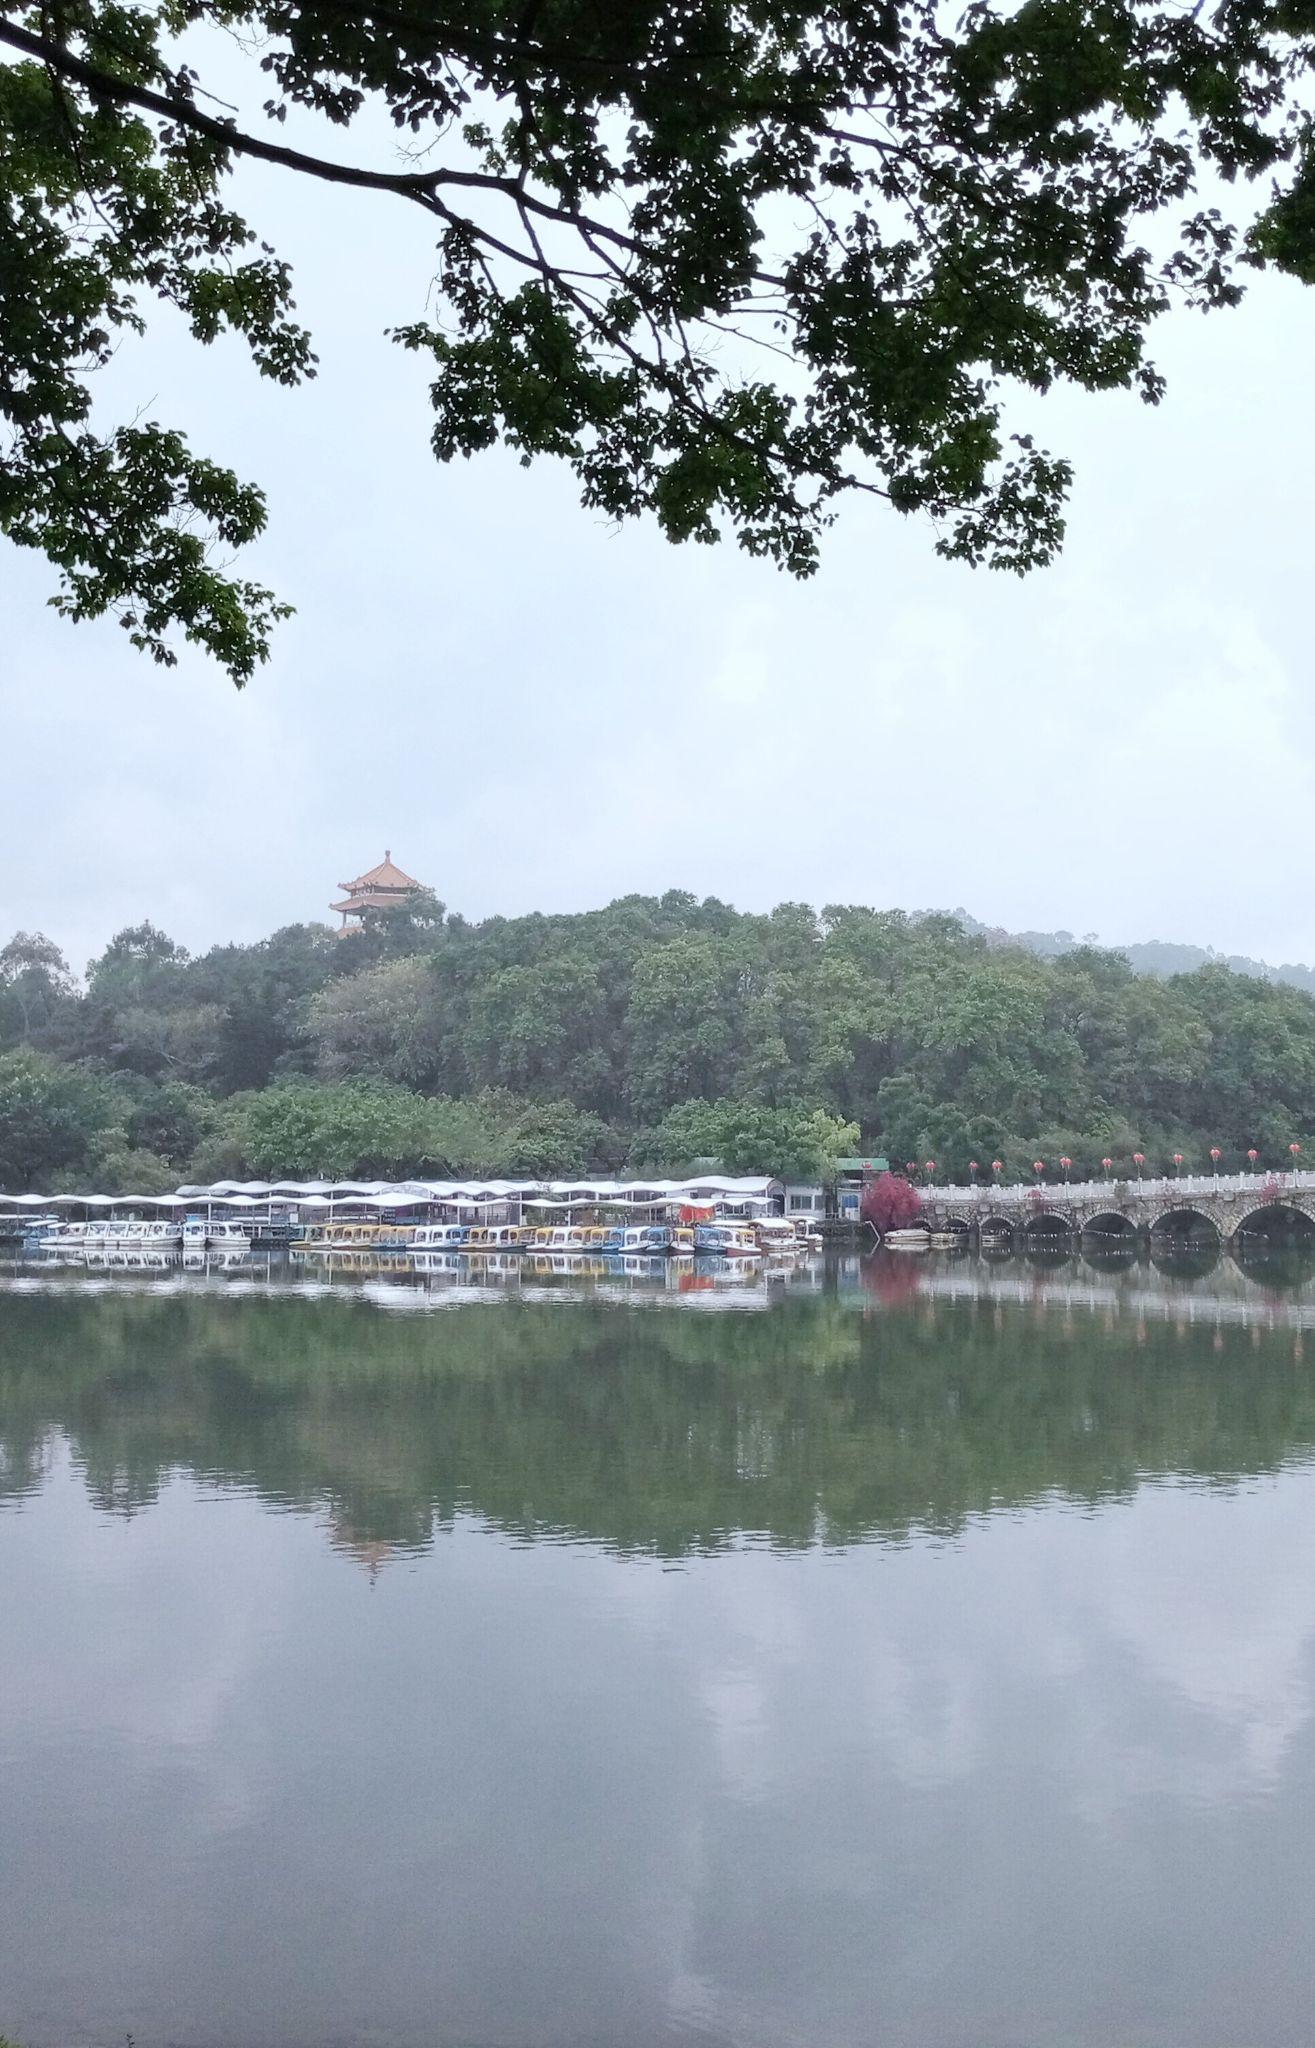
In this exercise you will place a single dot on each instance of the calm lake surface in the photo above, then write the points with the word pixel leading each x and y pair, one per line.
pixel 911 1654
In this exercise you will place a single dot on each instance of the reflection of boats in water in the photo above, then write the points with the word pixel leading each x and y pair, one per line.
pixel 540 1265
pixel 329 1259
pixel 436 1260
pixel 1281 1296
pixel 127 1259
pixel 225 1259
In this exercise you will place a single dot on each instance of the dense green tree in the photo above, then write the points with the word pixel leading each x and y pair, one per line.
pixel 264 992
pixel 37 991
pixel 180 1043
pixel 682 1028
pixel 746 1137
pixel 379 1022
pixel 53 1118
pixel 350 1128
pixel 171 1119
pixel 141 975
pixel 667 1029
pixel 541 1026
pixel 554 1140
pixel 728 264
pixel 367 1129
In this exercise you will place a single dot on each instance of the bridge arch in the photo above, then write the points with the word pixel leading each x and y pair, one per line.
pixel 1045 1222
pixel 1108 1236
pixel 1112 1223
pixel 1185 1221
pixel 1280 1217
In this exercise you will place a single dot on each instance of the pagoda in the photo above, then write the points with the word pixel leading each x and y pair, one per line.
pixel 381 888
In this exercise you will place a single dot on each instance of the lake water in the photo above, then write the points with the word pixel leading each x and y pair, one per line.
pixel 911 1654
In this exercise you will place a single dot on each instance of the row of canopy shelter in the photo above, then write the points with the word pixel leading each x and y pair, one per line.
pixel 459 1201
pixel 494 1201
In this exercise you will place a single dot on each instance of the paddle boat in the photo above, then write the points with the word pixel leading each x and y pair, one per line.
pixel 726 1241
pixel 438 1237
pixel 647 1240
pixel 133 1237
pixel 775 1237
pixel 201 1233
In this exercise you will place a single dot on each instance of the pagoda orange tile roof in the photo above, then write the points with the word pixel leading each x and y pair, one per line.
pixel 386 876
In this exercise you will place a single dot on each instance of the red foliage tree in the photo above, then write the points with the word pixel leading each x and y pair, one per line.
pixel 890 1203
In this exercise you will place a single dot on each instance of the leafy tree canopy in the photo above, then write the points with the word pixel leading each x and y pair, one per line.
pixel 653 1033
pixel 729 259
pixel 51 1117
pixel 747 1137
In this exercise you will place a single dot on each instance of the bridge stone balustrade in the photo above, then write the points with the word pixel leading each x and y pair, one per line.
pixel 1227 1202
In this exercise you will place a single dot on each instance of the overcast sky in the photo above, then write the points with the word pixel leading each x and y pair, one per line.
pixel 535 711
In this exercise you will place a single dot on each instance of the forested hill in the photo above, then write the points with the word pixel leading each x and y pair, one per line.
pixel 1149 956
pixel 648 1034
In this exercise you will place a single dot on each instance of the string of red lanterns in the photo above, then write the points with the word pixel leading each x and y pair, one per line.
pixel 1215 1154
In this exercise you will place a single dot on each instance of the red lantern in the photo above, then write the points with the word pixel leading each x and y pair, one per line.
pixel 1139 1160
pixel 931 1166
pixel 1038 1166
pixel 910 1166
pixel 1216 1155
pixel 997 1166
pixel 1253 1155
pixel 1178 1161
pixel 1065 1162
pixel 1107 1163
pixel 1294 1148
pixel 973 1168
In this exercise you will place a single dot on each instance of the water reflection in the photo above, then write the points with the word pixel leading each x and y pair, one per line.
pixel 927 1659
pixel 879 1396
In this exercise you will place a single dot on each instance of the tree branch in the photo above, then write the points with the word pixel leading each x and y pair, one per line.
pixel 421 187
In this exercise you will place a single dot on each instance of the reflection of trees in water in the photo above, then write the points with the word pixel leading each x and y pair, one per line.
pixel 661 1432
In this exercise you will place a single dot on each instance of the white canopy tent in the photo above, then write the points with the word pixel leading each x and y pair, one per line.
pixel 741 1187
pixel 751 1191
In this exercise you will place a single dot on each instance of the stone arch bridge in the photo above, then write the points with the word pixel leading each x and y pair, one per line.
pixel 1226 1206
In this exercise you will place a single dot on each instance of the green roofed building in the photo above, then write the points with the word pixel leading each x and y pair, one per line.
pixel 850 1177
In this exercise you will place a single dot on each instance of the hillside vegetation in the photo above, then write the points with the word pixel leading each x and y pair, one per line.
pixel 1150 956
pixel 649 1034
